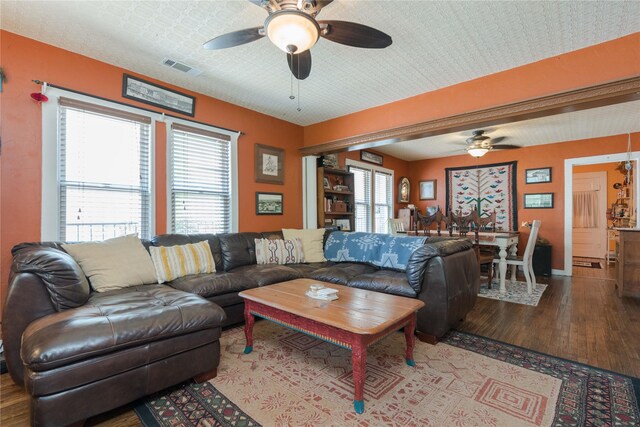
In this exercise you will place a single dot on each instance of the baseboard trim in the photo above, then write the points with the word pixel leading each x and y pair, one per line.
pixel 555 272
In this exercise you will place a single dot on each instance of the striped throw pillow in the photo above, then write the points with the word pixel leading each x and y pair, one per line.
pixel 172 262
pixel 279 251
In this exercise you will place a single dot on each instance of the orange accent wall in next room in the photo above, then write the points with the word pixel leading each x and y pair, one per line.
pixel 539 156
pixel 25 59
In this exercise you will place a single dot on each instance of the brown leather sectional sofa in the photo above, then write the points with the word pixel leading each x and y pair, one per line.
pixel 80 353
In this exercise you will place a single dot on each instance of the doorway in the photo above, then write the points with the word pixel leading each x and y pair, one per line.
pixel 569 166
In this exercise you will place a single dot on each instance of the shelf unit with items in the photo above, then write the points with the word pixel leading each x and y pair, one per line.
pixel 335 198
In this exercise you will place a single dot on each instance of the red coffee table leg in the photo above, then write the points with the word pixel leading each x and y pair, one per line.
pixel 359 365
pixel 249 320
pixel 410 338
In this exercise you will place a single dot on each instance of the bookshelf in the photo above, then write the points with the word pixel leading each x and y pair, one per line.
pixel 335 198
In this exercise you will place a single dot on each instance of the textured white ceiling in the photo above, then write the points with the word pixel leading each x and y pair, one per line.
pixel 598 122
pixel 435 44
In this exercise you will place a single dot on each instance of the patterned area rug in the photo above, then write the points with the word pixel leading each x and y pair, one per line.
pixel 292 379
pixel 587 264
pixel 516 292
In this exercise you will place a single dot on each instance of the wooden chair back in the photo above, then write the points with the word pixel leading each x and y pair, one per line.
pixel 531 243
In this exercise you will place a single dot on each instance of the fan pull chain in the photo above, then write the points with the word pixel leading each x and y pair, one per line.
pixel 291 96
pixel 299 109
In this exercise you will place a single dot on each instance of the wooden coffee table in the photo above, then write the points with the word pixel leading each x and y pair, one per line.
pixel 357 319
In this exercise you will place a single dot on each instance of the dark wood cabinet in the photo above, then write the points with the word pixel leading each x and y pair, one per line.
pixel 628 263
pixel 542 260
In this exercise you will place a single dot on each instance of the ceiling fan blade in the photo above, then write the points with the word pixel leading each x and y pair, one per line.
pixel 498 140
pixel 300 64
pixel 356 35
pixel 235 38
pixel 322 3
pixel 505 147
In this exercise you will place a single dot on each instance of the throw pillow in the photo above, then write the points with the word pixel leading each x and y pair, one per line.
pixel 115 263
pixel 172 262
pixel 278 251
pixel 312 242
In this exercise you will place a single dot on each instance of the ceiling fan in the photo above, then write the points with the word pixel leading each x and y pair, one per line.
pixel 293 28
pixel 479 144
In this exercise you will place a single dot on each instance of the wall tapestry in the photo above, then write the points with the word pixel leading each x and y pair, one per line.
pixel 485 187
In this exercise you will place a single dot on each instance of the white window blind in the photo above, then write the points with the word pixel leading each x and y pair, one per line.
pixel 199 180
pixel 362 197
pixel 103 172
pixel 382 201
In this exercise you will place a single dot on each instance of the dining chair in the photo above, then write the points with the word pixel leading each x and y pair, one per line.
pixel 526 260
pixel 460 223
pixel 484 254
pixel 424 222
pixel 396 226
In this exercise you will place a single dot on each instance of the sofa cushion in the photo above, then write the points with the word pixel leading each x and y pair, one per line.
pixel 238 249
pixel 113 321
pixel 268 274
pixel 279 251
pixel 183 239
pixel 306 270
pixel 387 281
pixel 382 250
pixel 219 283
pixel 342 272
pixel 171 262
pixel 312 241
pixel 65 281
pixel 114 263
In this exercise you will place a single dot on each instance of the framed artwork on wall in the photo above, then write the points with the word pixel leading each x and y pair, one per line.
pixel 269 203
pixel 538 201
pixel 370 157
pixel 269 164
pixel 537 176
pixel 404 189
pixel 428 189
pixel 159 96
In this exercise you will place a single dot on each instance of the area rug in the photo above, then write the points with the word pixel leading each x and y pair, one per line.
pixel 516 292
pixel 587 264
pixel 293 379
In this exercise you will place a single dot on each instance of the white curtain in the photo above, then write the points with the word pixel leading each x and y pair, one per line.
pixel 585 209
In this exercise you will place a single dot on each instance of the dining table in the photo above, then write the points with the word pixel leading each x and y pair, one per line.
pixel 505 241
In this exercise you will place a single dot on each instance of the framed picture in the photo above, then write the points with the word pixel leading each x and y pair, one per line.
pixel 269 164
pixel 325 183
pixel 404 189
pixel 538 201
pixel 159 96
pixel 370 157
pixel 344 224
pixel 536 176
pixel 428 189
pixel 269 203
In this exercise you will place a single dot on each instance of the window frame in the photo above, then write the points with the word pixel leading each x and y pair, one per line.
pixel 50 199
pixel 233 173
pixel 374 169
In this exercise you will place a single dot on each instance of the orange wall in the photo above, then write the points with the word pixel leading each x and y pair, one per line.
pixel 24 59
pixel 549 155
pixel 600 63
pixel 400 168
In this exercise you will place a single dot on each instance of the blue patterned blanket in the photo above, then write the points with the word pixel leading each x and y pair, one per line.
pixel 382 250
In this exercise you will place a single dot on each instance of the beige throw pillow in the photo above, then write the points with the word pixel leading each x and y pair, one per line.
pixel 115 263
pixel 312 240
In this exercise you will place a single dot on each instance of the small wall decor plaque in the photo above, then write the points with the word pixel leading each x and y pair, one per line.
pixel 160 96
pixel 536 176
pixel 404 189
pixel 370 157
pixel 269 203
pixel 538 201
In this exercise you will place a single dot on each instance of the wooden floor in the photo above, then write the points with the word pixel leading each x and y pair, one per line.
pixel 579 318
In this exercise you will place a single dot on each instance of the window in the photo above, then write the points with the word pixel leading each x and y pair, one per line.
pixel 103 172
pixel 373 194
pixel 199 180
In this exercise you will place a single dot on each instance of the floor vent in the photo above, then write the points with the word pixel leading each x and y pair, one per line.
pixel 181 67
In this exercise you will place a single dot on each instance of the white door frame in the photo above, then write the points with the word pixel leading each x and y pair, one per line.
pixel 568 195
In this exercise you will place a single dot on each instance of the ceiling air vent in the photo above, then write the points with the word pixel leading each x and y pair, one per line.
pixel 181 67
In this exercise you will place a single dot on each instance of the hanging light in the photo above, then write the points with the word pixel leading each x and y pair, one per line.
pixel 292 31
pixel 477 151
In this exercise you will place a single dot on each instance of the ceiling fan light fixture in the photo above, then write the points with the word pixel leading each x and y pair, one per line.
pixel 292 31
pixel 477 151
